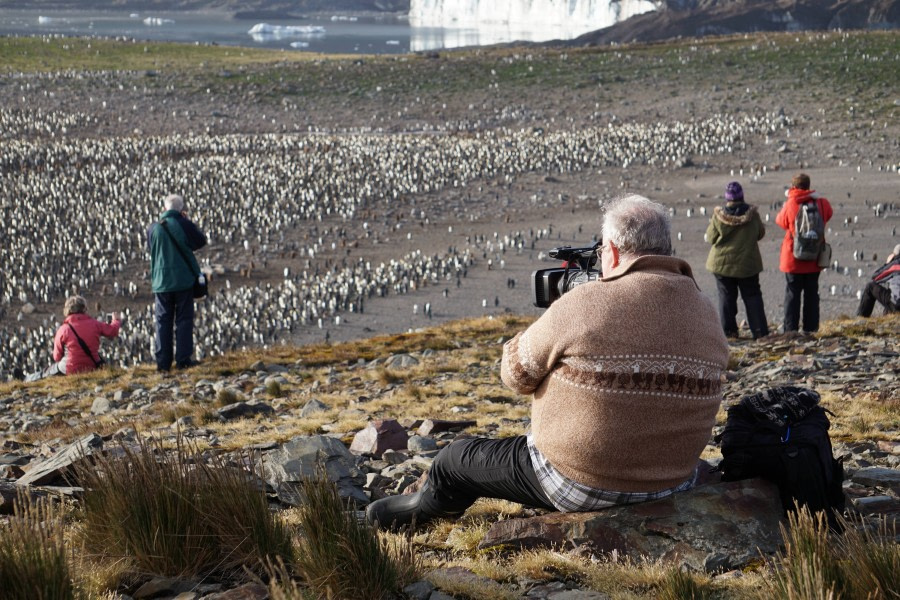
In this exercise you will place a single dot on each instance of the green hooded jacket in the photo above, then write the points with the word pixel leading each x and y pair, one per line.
pixel 735 251
pixel 168 270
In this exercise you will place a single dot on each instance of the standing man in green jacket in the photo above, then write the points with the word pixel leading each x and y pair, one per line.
pixel 172 278
pixel 734 232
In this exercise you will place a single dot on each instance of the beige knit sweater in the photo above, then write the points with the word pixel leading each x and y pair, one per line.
pixel 626 376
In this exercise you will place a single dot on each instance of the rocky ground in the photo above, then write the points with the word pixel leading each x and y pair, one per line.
pixel 381 421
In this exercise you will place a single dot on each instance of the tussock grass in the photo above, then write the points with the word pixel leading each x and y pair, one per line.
pixel 34 561
pixel 226 396
pixel 341 557
pixel 682 585
pixel 173 514
pixel 860 563
pixel 545 565
pixel 274 389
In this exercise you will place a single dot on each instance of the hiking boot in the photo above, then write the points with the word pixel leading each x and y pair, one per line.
pixel 187 364
pixel 18 374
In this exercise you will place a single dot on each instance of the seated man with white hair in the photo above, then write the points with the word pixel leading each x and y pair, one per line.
pixel 173 271
pixel 625 373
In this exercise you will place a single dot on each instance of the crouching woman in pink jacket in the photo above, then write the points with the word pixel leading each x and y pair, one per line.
pixel 76 347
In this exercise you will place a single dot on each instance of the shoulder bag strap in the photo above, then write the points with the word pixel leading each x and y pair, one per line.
pixel 178 247
pixel 84 346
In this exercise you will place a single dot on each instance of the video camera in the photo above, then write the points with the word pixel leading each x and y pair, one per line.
pixel 549 284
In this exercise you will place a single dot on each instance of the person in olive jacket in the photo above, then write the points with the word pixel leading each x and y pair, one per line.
pixel 172 280
pixel 734 231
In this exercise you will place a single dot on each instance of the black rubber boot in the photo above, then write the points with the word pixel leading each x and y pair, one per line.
pixel 395 512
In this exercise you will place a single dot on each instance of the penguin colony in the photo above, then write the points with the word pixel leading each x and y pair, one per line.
pixel 76 211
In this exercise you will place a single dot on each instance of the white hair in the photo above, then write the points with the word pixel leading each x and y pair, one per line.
pixel 638 226
pixel 174 202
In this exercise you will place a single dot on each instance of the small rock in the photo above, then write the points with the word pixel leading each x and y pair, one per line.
pixel 418 444
pixel 312 407
pixel 101 406
pixel 244 409
pixel 432 426
pixel 248 591
pixel 378 436
pixel 420 590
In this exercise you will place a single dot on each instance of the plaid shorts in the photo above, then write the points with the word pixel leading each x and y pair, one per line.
pixel 570 496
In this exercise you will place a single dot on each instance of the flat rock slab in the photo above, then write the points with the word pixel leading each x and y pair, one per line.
pixel 711 528
pixel 878 477
pixel 52 469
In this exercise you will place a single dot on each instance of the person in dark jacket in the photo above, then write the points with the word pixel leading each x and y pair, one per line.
pixel 801 276
pixel 734 231
pixel 884 287
pixel 172 279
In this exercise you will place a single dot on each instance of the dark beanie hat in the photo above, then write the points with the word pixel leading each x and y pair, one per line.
pixel 734 192
pixel 800 181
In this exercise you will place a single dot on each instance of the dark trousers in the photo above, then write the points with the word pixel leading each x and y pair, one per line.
pixel 807 285
pixel 753 303
pixel 468 469
pixel 174 308
pixel 872 293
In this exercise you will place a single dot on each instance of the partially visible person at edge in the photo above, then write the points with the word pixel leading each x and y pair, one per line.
pixel 625 373
pixel 69 357
pixel 883 288
pixel 172 280
pixel 802 276
pixel 734 231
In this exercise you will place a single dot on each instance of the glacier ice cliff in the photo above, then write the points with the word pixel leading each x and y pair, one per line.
pixel 494 21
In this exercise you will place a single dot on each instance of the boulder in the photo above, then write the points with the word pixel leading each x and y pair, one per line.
pixel 712 528
pixel 303 458
pixel 378 436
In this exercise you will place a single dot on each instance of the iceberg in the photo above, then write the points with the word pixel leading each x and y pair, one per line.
pixel 263 32
pixel 285 30
pixel 155 21
pixel 299 44
pixel 44 20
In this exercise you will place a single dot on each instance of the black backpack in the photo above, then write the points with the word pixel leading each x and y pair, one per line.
pixel 781 435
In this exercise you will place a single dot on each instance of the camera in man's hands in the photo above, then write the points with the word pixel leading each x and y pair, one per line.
pixel 549 284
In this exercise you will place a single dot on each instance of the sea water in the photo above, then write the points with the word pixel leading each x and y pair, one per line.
pixel 339 34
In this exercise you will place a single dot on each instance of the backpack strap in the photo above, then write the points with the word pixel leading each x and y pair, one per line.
pixel 84 347
pixel 178 247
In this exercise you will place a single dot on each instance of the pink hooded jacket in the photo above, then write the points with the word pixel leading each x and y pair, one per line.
pixel 66 344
